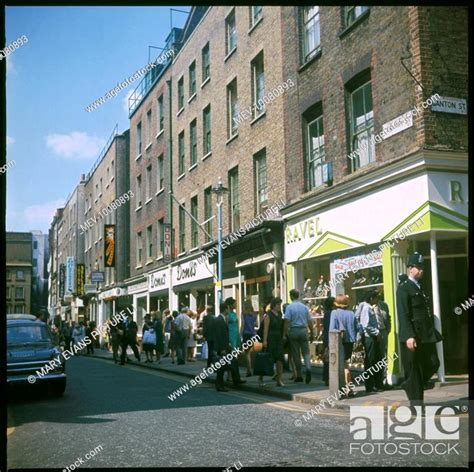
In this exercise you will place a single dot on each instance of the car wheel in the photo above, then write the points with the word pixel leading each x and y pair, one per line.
pixel 58 388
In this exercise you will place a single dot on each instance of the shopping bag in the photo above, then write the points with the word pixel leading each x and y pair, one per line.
pixel 263 364
pixel 204 350
pixel 149 337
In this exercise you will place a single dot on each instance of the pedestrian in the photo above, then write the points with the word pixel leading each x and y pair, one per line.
pixel 129 339
pixel 173 337
pixel 78 335
pixel 182 327
pixel 233 322
pixel 328 307
pixel 148 338
pixel 273 338
pixel 384 323
pixel 158 327
pixel 167 331
pixel 207 332
pixel 222 347
pixel 88 332
pixel 299 330
pixel 249 326
pixel 418 335
pixel 370 339
pixel 345 321
pixel 67 335
pixel 116 334
pixel 192 337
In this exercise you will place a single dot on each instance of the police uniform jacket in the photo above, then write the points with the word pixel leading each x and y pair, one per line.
pixel 414 315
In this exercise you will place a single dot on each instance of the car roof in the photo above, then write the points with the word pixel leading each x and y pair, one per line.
pixel 20 316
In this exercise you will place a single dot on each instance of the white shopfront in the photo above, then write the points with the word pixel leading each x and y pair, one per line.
pixel 158 289
pixel 192 284
pixel 346 228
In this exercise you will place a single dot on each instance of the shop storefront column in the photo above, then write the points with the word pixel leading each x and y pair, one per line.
pixel 436 301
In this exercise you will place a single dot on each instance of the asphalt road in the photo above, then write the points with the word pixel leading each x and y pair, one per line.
pixel 125 415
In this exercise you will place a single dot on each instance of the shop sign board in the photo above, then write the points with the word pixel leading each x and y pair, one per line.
pixel 90 289
pixel 450 105
pixel 397 125
pixel 62 280
pixel 97 277
pixel 190 271
pixel 158 280
pixel 304 230
pixel 70 269
pixel 356 263
pixel 167 257
pixel 80 279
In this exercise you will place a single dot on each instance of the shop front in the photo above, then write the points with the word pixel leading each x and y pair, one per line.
pixel 108 303
pixel 140 301
pixel 158 288
pixel 358 238
pixel 192 285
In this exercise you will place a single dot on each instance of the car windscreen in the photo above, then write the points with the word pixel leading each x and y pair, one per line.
pixel 27 334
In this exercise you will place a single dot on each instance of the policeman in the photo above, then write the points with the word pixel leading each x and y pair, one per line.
pixel 418 336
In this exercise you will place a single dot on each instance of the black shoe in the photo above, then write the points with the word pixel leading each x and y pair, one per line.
pixel 222 389
pixel 429 385
pixel 240 382
pixel 122 363
pixel 299 379
pixel 180 362
pixel 307 377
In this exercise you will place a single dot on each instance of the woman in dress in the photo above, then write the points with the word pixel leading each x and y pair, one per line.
pixel 273 338
pixel 249 318
pixel 147 347
pixel 233 322
pixel 158 326
pixel 192 336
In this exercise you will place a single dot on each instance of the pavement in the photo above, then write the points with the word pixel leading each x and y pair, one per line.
pixel 454 391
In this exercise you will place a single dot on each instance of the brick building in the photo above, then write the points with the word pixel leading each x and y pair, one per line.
pixel 107 181
pixel 19 252
pixel 359 70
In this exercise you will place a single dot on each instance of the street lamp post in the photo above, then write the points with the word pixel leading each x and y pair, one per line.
pixel 219 190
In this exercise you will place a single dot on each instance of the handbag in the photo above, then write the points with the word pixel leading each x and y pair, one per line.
pixel 149 337
pixel 263 364
pixel 204 350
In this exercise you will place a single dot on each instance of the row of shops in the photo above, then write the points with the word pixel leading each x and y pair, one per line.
pixel 339 231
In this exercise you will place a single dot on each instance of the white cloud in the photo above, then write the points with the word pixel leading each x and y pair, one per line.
pixel 76 145
pixel 10 66
pixel 125 101
pixel 34 216
pixel 10 140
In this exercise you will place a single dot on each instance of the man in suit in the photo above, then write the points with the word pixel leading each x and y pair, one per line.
pixel 129 338
pixel 207 332
pixel 220 337
pixel 418 336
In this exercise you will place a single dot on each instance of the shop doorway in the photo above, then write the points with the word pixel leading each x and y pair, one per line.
pixel 453 287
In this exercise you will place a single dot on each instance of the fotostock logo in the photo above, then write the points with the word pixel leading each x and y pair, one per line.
pixel 418 429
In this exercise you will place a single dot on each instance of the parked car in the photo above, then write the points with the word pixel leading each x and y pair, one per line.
pixel 30 347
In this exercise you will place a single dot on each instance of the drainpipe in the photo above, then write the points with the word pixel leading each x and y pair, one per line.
pixel 170 160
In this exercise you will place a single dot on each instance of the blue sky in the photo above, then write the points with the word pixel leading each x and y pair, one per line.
pixel 73 56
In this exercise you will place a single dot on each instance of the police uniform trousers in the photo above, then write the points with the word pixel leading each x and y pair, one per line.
pixel 419 366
